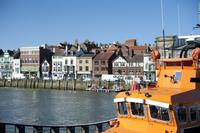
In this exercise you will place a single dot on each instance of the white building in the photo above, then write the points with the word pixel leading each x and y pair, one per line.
pixel 16 66
pixel 57 65
pixel 149 69
pixel 69 66
pixel 6 65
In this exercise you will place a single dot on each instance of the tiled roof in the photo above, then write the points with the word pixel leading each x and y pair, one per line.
pixel 138 47
pixel 104 55
pixel 113 47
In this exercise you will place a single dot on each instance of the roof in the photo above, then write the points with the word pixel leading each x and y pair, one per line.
pixel 138 47
pixel 113 47
pixel 135 58
pixel 104 55
pixel 58 51
pixel 166 95
pixel 83 53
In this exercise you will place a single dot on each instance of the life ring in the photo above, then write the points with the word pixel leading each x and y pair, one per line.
pixel 114 123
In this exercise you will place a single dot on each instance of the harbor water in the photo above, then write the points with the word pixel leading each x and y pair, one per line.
pixel 54 107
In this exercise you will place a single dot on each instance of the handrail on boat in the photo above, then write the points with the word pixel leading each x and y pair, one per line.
pixel 98 127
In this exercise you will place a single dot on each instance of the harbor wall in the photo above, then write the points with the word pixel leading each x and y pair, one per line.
pixel 56 84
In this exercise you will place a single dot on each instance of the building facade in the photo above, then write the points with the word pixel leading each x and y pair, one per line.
pixel 84 64
pixel 102 63
pixel 31 60
pixel 149 69
pixel 6 63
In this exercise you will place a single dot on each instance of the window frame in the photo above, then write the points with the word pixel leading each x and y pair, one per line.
pixel 159 120
pixel 176 113
pixel 138 116
pixel 118 109
pixel 197 113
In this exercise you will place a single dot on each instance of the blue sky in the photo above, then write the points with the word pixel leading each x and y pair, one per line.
pixel 36 22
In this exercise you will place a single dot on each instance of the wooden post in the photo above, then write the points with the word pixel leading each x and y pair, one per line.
pixel 71 130
pixel 74 87
pixel 37 129
pixel 67 85
pixel 19 129
pixel 45 83
pixel 52 84
pixel 2 128
pixel 59 84
pixel 11 83
pixel 4 83
pixel 99 128
pixel 54 130
pixel 17 82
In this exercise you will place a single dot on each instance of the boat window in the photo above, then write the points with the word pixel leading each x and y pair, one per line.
pixel 193 113
pixel 181 114
pixel 159 113
pixel 122 108
pixel 137 109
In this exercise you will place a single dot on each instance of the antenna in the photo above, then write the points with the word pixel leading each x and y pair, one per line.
pixel 178 10
pixel 163 26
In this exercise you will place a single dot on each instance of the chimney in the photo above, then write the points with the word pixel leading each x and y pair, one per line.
pixel 79 47
pixel 66 50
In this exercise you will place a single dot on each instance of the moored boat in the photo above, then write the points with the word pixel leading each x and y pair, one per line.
pixel 171 106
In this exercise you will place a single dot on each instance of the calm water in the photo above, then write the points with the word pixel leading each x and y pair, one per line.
pixel 53 107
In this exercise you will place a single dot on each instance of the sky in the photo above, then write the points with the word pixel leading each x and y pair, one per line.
pixel 36 22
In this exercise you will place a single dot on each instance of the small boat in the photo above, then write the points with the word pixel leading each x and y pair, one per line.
pixel 172 105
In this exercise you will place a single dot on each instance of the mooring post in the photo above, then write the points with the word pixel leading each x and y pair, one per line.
pixel 19 129
pixel 2 128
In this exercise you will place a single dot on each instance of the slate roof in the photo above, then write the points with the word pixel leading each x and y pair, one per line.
pixel 104 55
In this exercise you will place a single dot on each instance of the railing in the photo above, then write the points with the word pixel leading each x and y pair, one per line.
pixel 96 127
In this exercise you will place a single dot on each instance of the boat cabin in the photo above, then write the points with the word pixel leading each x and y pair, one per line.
pixel 171 106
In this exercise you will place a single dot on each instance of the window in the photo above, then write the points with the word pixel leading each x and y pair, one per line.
pixel 66 61
pixel 122 108
pixel 80 68
pixel 96 62
pixel 159 113
pixel 116 64
pixel 80 61
pixel 193 114
pixel 96 69
pixel 72 62
pixel 122 64
pixel 181 114
pixel 177 76
pixel 103 62
pixel 86 68
pixel 86 61
pixel 137 109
